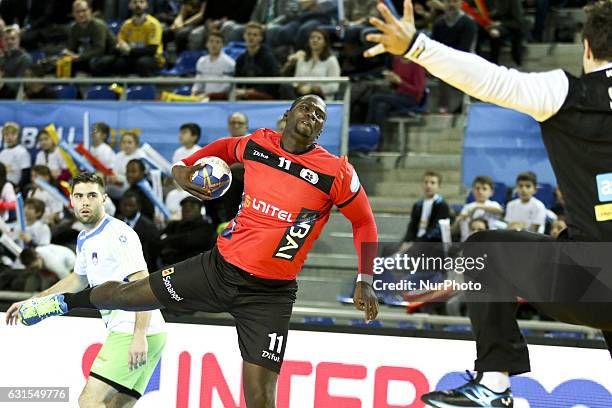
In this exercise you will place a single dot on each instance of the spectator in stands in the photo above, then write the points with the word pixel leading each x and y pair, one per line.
pixel 100 133
pixel 426 12
pixel 54 208
pixel 15 59
pixel 36 231
pixel 189 136
pixel 31 279
pixel 56 259
pixel 459 31
pixel 190 15
pixel 508 24
pixel 144 227
pixel 173 202
pixel 356 14
pixel 135 172
pixel 313 13
pixel 317 60
pixel 189 236
pixel 526 209
pixel 49 155
pixel 256 61
pixel 407 81
pixel 477 225
pixel 139 43
pixel 6 92
pixel 14 155
pixel 238 124
pixel 482 207
pixel 34 91
pixel 558 206
pixel 218 15
pixel 216 64
pixel 8 198
pixel 2 28
pixel 557 227
pixel 130 149
pixel 426 213
pixel 89 40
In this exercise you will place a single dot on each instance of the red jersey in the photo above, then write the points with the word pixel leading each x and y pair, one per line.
pixel 286 202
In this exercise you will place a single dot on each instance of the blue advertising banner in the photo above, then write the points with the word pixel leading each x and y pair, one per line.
pixel 158 122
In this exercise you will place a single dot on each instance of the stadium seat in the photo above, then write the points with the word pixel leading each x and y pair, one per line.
pixel 115 26
pixel 67 91
pixel 420 108
pixel 546 194
pixel 100 92
pixel 362 323
pixel 319 320
pixel 235 49
pixel 37 56
pixel 141 93
pixel 363 138
pixel 183 90
pixel 185 64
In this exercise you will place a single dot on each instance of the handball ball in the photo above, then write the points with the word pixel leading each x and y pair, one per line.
pixel 215 177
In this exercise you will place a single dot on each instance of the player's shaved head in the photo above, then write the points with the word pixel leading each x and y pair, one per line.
pixel 304 97
pixel 305 120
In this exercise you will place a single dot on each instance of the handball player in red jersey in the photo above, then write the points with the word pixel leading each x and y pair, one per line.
pixel 290 187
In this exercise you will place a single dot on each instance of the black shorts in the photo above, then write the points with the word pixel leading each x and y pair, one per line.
pixel 261 307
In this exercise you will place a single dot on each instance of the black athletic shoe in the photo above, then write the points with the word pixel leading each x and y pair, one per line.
pixel 471 394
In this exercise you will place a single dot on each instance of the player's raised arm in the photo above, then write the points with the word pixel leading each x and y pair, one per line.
pixel 540 95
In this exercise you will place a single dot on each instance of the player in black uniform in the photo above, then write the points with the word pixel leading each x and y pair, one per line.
pixel 576 120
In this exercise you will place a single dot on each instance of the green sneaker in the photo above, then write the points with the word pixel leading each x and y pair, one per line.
pixel 38 309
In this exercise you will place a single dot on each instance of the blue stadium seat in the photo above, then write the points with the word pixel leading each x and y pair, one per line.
pixel 185 63
pixel 457 328
pixel 183 90
pixel 565 335
pixel 37 56
pixel 364 138
pixel 319 320
pixel 413 326
pixel 115 26
pixel 362 323
pixel 65 91
pixel 500 194
pixel 141 93
pixel 420 108
pixel 234 49
pixel 100 92
pixel 546 194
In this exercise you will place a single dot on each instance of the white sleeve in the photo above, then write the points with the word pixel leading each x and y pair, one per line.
pixel 540 215
pixel 41 235
pixel 25 161
pixel 199 86
pixel 128 250
pixel 539 95
pixel 40 158
pixel 509 217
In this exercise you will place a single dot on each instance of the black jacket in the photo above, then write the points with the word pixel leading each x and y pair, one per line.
pixel 439 211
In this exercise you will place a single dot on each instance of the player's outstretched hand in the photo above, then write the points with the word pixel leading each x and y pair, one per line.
pixel 396 35
pixel 137 353
pixel 365 299
pixel 11 313
pixel 182 175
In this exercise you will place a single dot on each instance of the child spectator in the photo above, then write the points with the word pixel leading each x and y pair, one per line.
pixel 426 213
pixel 135 172
pixel 526 209
pixel 557 227
pixel 130 149
pixel 49 155
pixel 317 60
pixel 481 207
pixel 36 231
pixel 14 156
pixel 216 64
pixel 477 225
pixel 56 259
pixel 53 208
pixel 100 132
pixel 8 200
pixel 189 136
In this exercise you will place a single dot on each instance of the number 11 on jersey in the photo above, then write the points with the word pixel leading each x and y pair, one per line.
pixel 284 163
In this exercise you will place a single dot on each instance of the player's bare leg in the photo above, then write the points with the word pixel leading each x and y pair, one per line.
pixel 121 400
pixel 95 394
pixel 259 386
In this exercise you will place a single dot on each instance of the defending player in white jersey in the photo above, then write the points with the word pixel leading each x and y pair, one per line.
pixel 108 249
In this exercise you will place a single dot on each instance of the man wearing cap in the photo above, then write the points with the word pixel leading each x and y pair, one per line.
pixel 189 236
pixel 14 156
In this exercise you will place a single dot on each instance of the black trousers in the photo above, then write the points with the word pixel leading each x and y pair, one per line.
pixel 532 266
